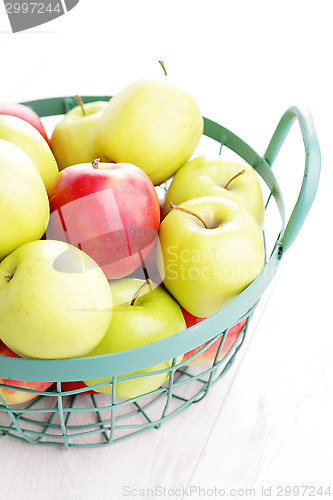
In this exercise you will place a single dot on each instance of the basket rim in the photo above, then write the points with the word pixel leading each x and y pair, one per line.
pixel 120 363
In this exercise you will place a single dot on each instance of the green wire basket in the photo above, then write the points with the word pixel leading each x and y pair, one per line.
pixel 78 417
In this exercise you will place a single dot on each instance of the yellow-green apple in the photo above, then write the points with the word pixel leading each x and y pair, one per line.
pixel 141 315
pixel 211 249
pixel 26 137
pixel 73 138
pixel 152 123
pixel 209 355
pixel 110 211
pixel 26 113
pixel 55 302
pixel 24 205
pixel 213 176
pixel 17 396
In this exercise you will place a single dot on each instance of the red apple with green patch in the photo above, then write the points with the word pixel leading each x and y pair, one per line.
pixel 108 210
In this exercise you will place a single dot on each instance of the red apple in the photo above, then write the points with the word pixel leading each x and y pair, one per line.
pixel 25 113
pixel 73 386
pixel 108 210
pixel 209 354
pixel 11 396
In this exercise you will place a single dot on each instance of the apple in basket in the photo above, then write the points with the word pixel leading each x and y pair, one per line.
pixel 108 210
pixel 27 138
pixel 148 269
pixel 16 396
pixel 213 176
pixel 55 302
pixel 209 354
pixel 143 313
pixel 74 386
pixel 152 123
pixel 211 250
pixel 24 203
pixel 73 138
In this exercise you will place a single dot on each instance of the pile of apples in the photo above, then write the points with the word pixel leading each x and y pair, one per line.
pixel 91 261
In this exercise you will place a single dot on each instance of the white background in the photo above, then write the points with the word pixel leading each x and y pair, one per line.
pixel 269 422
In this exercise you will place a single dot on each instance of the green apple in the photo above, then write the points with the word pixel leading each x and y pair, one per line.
pixel 55 302
pixel 208 261
pixel 26 137
pixel 151 316
pixel 24 205
pixel 153 124
pixel 213 176
pixel 73 138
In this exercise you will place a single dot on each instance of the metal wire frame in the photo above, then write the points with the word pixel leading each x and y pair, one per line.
pixel 53 417
pixel 27 423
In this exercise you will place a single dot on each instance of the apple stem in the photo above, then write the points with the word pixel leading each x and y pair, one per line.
pixel 95 163
pixel 163 66
pixel 137 293
pixel 175 207
pixel 234 177
pixel 9 278
pixel 80 102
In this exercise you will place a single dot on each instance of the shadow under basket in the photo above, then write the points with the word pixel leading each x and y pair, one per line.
pixel 74 415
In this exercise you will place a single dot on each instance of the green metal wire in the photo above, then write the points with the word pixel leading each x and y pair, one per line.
pixel 50 420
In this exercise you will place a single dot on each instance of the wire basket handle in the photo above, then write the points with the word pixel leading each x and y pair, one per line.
pixel 311 171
